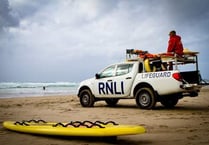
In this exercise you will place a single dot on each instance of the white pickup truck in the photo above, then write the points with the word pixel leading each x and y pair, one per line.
pixel 143 78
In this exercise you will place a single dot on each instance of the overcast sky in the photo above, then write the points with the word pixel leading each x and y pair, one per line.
pixel 70 40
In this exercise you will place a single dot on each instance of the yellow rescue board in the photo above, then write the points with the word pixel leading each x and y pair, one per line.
pixel 86 128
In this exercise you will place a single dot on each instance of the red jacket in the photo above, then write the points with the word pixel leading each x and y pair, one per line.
pixel 175 45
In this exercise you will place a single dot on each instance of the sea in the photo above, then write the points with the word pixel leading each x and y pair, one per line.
pixel 30 89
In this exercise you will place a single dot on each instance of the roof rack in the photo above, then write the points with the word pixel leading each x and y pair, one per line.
pixel 134 54
pixel 188 56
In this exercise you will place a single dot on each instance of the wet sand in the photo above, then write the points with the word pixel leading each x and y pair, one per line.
pixel 186 124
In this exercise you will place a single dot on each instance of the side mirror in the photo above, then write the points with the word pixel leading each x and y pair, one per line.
pixel 97 76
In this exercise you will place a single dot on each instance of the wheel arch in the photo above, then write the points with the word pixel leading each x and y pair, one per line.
pixel 141 85
pixel 83 88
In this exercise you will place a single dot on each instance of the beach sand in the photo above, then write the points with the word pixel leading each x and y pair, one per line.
pixel 186 124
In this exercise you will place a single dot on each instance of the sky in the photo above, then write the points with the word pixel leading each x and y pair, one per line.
pixel 71 40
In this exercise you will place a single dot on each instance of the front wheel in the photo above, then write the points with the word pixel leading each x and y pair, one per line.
pixel 145 98
pixel 86 98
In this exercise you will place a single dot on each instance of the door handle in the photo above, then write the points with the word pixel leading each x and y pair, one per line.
pixel 128 78
pixel 109 80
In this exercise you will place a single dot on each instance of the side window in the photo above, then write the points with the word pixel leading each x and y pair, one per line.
pixel 108 72
pixel 123 69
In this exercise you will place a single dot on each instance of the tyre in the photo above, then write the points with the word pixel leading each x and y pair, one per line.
pixel 169 102
pixel 145 98
pixel 86 98
pixel 111 102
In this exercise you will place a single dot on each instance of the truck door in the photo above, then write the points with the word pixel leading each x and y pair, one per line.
pixel 124 78
pixel 114 81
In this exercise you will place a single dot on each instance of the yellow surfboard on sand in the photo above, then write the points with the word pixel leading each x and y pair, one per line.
pixel 77 128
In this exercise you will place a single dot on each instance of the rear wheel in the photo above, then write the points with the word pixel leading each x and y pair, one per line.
pixel 145 98
pixel 111 102
pixel 86 98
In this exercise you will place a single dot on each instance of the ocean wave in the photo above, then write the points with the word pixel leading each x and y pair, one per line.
pixel 13 85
